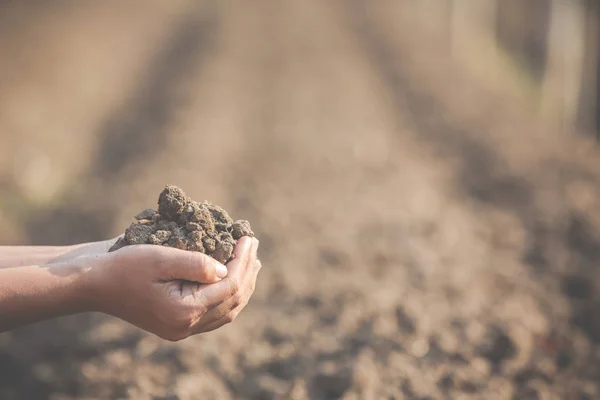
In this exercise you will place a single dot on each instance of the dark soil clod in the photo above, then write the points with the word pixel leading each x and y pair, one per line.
pixel 185 224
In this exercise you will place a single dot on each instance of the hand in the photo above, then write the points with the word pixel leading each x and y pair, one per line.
pixel 174 293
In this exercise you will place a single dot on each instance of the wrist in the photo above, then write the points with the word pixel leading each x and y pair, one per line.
pixel 87 281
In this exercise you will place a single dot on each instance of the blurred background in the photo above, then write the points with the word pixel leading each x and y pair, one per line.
pixel 424 177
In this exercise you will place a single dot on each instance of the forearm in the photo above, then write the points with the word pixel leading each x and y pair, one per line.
pixel 19 256
pixel 33 293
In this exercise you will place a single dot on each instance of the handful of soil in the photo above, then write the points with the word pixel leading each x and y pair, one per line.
pixel 185 224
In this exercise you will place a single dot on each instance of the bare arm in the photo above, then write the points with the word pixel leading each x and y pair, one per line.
pixel 169 292
pixel 34 293
pixel 19 256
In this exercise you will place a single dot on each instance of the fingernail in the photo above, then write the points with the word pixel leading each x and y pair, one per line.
pixel 221 270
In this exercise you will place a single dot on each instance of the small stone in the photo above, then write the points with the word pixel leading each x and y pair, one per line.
pixel 164 225
pixel 178 239
pixel 137 234
pixel 192 226
pixel 118 244
pixel 222 226
pixel 219 215
pixel 202 216
pixel 241 228
pixel 196 246
pixel 178 243
pixel 148 213
pixel 160 237
pixel 172 202
pixel 183 223
pixel 196 236
pixel 210 244
pixel 154 240
pixel 223 252
pixel 226 236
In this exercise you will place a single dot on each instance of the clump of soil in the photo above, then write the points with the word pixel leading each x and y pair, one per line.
pixel 186 224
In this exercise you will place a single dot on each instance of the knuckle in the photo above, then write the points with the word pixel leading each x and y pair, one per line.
pixel 204 268
pixel 236 300
pixel 202 260
pixel 200 310
pixel 229 318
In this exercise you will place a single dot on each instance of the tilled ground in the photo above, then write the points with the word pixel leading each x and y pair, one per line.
pixel 420 236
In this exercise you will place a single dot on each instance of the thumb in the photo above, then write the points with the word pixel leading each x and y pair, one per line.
pixel 191 266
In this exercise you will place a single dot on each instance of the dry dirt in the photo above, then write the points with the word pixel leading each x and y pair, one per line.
pixel 186 224
pixel 422 237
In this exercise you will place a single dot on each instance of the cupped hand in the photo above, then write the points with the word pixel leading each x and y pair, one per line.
pixel 174 293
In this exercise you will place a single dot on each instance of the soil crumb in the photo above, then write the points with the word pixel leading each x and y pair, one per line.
pixel 186 224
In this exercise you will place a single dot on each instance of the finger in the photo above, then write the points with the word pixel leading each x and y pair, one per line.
pixel 223 320
pixel 218 312
pixel 243 251
pixel 234 304
pixel 227 319
pixel 188 289
pixel 212 295
pixel 255 271
pixel 189 266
